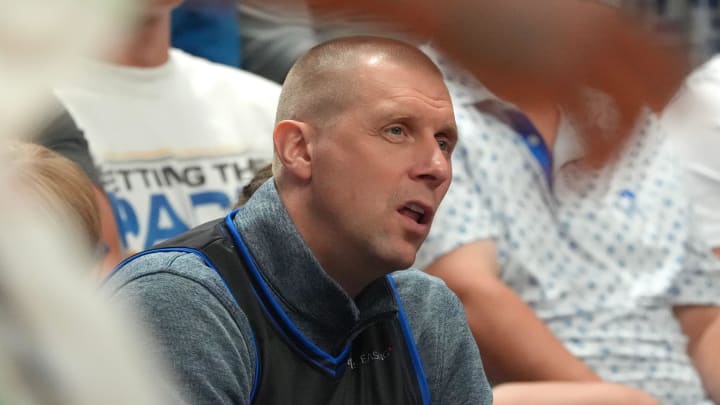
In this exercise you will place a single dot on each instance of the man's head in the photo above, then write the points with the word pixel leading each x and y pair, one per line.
pixel 363 138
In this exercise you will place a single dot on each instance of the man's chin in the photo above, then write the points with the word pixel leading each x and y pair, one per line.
pixel 405 262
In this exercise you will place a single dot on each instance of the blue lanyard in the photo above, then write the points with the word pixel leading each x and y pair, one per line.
pixel 526 129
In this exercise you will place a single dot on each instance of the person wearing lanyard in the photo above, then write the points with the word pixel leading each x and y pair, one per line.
pixel 570 272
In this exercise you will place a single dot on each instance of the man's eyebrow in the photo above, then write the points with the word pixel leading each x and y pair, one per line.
pixel 450 130
pixel 393 117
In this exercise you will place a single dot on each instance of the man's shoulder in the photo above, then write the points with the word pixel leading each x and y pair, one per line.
pixel 427 302
pixel 418 289
pixel 415 278
pixel 166 268
pixel 217 73
pixel 443 339
pixel 194 323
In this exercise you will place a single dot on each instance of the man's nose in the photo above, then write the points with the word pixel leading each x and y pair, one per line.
pixel 434 166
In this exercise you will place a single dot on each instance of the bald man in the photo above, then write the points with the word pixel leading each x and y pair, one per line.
pixel 291 298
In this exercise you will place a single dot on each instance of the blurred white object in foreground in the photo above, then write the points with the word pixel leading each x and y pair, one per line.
pixel 41 41
pixel 60 341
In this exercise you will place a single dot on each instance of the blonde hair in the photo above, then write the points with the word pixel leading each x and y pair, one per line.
pixel 58 183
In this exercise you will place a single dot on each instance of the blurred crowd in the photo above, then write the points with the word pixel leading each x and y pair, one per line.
pixel 198 212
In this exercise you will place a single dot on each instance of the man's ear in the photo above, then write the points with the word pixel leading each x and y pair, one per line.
pixel 292 146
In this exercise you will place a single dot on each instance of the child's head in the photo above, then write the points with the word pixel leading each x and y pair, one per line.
pixel 59 186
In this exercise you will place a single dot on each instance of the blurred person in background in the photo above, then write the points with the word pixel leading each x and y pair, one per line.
pixel 570 272
pixel 60 342
pixel 261 176
pixel 62 136
pixel 275 33
pixel 175 136
pixel 693 122
pixel 208 29
pixel 65 193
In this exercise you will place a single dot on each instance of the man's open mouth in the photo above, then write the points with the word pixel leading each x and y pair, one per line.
pixel 417 212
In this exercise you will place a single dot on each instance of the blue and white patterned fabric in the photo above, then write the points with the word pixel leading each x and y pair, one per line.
pixel 601 257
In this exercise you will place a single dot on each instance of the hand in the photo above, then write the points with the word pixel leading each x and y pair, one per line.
pixel 549 51
pixel 575 393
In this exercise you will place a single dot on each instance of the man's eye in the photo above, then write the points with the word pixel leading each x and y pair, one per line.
pixel 396 130
pixel 444 143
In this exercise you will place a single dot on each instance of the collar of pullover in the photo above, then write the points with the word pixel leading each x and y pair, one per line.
pixel 314 302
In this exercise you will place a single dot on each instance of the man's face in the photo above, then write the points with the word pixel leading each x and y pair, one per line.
pixel 381 168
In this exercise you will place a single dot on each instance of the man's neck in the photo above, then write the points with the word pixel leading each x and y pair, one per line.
pixel 149 45
pixel 350 273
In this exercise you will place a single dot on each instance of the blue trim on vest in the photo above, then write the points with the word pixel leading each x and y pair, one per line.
pixel 290 341
pixel 160 250
pixel 414 356
pixel 304 342
pixel 256 380
pixel 210 264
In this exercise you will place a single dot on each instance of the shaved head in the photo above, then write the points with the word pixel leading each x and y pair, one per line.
pixel 365 134
pixel 320 84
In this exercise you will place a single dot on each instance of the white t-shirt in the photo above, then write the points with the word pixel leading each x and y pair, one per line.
pixel 692 121
pixel 175 143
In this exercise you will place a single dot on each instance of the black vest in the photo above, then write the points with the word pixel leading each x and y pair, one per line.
pixel 379 365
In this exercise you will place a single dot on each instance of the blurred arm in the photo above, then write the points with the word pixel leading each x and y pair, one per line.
pixel 573 393
pixel 547 51
pixel 514 344
pixel 701 324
